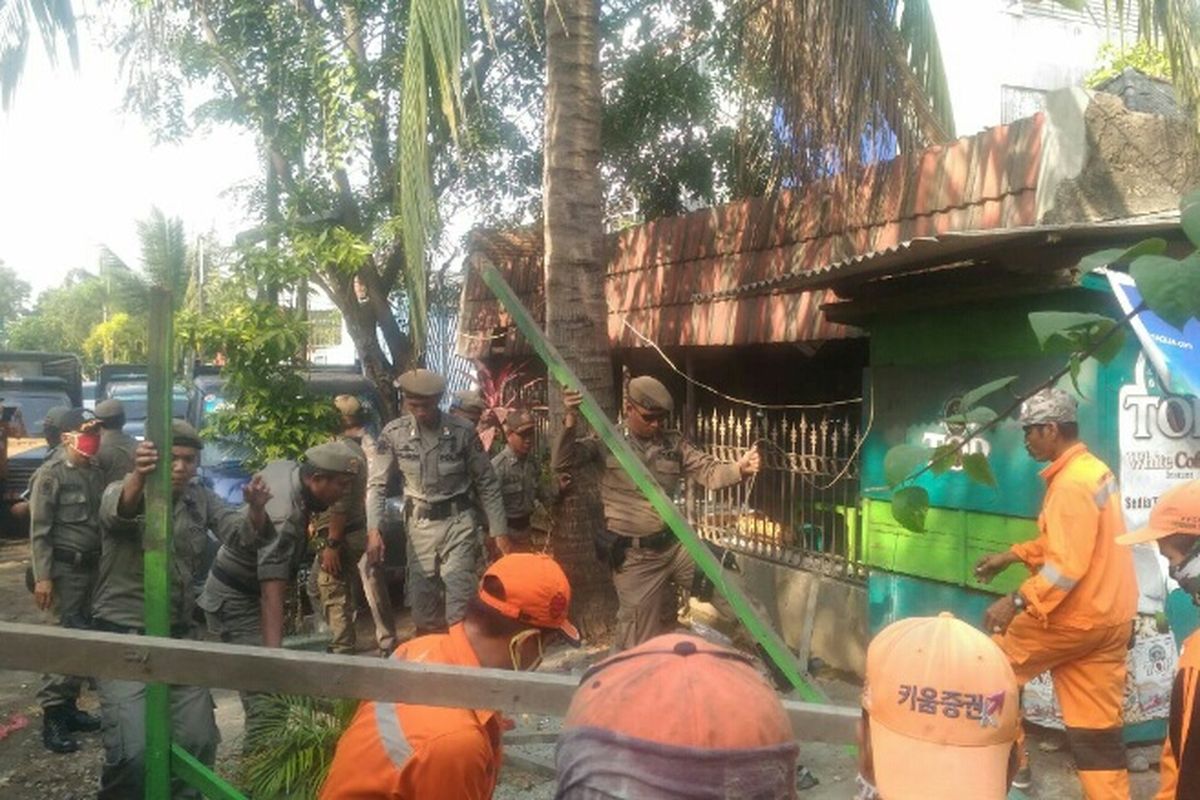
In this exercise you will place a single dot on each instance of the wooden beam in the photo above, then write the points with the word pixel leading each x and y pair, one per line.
pixel 38 648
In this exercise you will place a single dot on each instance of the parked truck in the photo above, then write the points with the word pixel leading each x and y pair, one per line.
pixel 30 385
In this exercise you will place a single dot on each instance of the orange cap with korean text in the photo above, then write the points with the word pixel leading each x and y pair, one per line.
pixel 1177 511
pixel 943 706
pixel 536 591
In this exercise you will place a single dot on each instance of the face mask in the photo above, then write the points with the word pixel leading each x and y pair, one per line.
pixel 1187 574
pixel 87 444
pixel 514 649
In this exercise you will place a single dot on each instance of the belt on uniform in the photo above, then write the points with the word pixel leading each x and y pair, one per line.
pixel 655 541
pixel 177 631
pixel 242 585
pixel 76 558
pixel 519 523
pixel 439 509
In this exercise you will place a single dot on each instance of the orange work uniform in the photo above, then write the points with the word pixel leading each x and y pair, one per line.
pixel 1180 770
pixel 401 751
pixel 1081 599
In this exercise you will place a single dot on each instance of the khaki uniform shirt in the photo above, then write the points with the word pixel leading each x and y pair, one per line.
pixel 353 504
pixel 274 556
pixel 434 469
pixel 668 457
pixel 119 590
pixel 116 455
pixel 520 483
pixel 63 512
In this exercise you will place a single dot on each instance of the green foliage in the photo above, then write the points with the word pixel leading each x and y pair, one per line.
pixel 1114 58
pixel 18 20
pixel 1189 216
pixel 14 297
pixel 288 754
pixel 63 317
pixel 902 460
pixel 272 411
pixel 119 340
pixel 978 469
pixel 909 507
pixel 971 399
pixel 1170 287
pixel 1120 257
pixel 1068 332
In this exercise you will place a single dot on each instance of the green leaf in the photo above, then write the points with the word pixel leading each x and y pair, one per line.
pixel 978 393
pixel 902 460
pixel 978 469
pixel 944 458
pixel 1075 366
pixel 1189 215
pixel 1107 258
pixel 909 507
pixel 1049 324
pixel 1111 347
pixel 1170 287
pixel 1074 332
pixel 980 415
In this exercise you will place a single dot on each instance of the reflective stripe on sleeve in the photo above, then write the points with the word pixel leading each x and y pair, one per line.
pixel 391 736
pixel 1106 491
pixel 1055 578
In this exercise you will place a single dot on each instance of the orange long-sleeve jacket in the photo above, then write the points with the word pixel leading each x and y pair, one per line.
pixel 1179 772
pixel 1082 577
pixel 400 751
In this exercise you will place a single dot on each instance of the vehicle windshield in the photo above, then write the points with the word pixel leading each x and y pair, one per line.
pixel 135 402
pixel 223 452
pixel 34 406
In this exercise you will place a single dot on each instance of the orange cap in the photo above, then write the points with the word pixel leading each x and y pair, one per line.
pixel 536 591
pixel 1177 511
pixel 683 691
pixel 943 704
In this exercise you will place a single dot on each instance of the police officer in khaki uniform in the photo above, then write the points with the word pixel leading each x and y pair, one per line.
pixel 118 604
pixel 243 598
pixel 64 537
pixel 341 560
pixel 441 460
pixel 116 447
pixel 520 481
pixel 646 558
pixel 469 405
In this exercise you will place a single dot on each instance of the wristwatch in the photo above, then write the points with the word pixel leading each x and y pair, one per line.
pixel 1019 601
pixel 333 544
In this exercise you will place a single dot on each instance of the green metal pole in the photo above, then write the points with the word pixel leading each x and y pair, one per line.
pixel 559 371
pixel 156 542
pixel 200 777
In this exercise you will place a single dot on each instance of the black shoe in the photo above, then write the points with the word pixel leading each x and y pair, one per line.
pixel 56 733
pixel 80 721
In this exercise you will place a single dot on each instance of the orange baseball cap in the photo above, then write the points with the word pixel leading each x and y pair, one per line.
pixel 1177 511
pixel 683 691
pixel 943 705
pixel 536 591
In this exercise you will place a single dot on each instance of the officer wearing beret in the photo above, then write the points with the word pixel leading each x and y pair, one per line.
pixel 341 562
pixel 441 460
pixel 64 537
pixel 646 558
pixel 118 604
pixel 469 405
pixel 116 447
pixel 520 481
pixel 244 595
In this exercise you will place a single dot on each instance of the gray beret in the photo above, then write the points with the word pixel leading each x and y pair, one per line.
pixel 422 383
pixel 55 416
pixel 335 457
pixel 518 420
pixel 109 409
pixel 650 394
pixel 185 435
pixel 1049 405
pixel 469 400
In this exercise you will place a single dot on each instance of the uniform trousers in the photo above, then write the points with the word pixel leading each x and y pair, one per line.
pixel 73 587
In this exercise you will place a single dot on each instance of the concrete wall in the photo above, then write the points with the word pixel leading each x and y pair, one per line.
pixel 840 624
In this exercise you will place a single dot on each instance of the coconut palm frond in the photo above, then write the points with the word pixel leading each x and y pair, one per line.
pixel 844 83
pixel 164 251
pixel 290 749
pixel 18 18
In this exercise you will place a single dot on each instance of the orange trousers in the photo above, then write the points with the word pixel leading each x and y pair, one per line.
pixel 1088 668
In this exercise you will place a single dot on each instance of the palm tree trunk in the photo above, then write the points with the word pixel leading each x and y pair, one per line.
pixel 576 310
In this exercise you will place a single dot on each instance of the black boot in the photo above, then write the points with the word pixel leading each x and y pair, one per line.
pixel 80 721
pixel 56 731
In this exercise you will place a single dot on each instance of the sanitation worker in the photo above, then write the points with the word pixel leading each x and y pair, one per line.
pixel 676 718
pixel 118 606
pixel 1074 616
pixel 444 469
pixel 1175 525
pixel 115 458
pixel 646 559
pixel 64 537
pixel 940 714
pixel 405 751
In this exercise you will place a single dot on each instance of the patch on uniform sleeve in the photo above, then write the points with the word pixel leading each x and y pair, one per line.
pixel 381 445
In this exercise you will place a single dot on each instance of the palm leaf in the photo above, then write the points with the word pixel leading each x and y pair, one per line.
pixel 52 18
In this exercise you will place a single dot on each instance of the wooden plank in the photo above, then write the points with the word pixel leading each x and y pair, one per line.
pixel 39 648
pixel 529 763
pixel 524 737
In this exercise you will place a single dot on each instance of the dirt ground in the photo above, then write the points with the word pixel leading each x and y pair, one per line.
pixel 29 771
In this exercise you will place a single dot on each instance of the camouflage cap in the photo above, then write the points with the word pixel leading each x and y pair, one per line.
pixel 110 409
pixel 469 400
pixel 518 420
pixel 184 435
pixel 335 457
pixel 77 419
pixel 650 394
pixel 55 416
pixel 347 405
pixel 421 383
pixel 1049 405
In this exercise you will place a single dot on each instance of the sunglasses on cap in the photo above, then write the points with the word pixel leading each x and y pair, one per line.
pixel 650 416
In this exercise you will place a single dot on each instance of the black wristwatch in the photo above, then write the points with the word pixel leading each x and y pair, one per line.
pixel 1019 601
pixel 331 544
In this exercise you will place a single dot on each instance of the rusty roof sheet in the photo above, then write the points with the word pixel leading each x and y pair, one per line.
pixel 677 280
